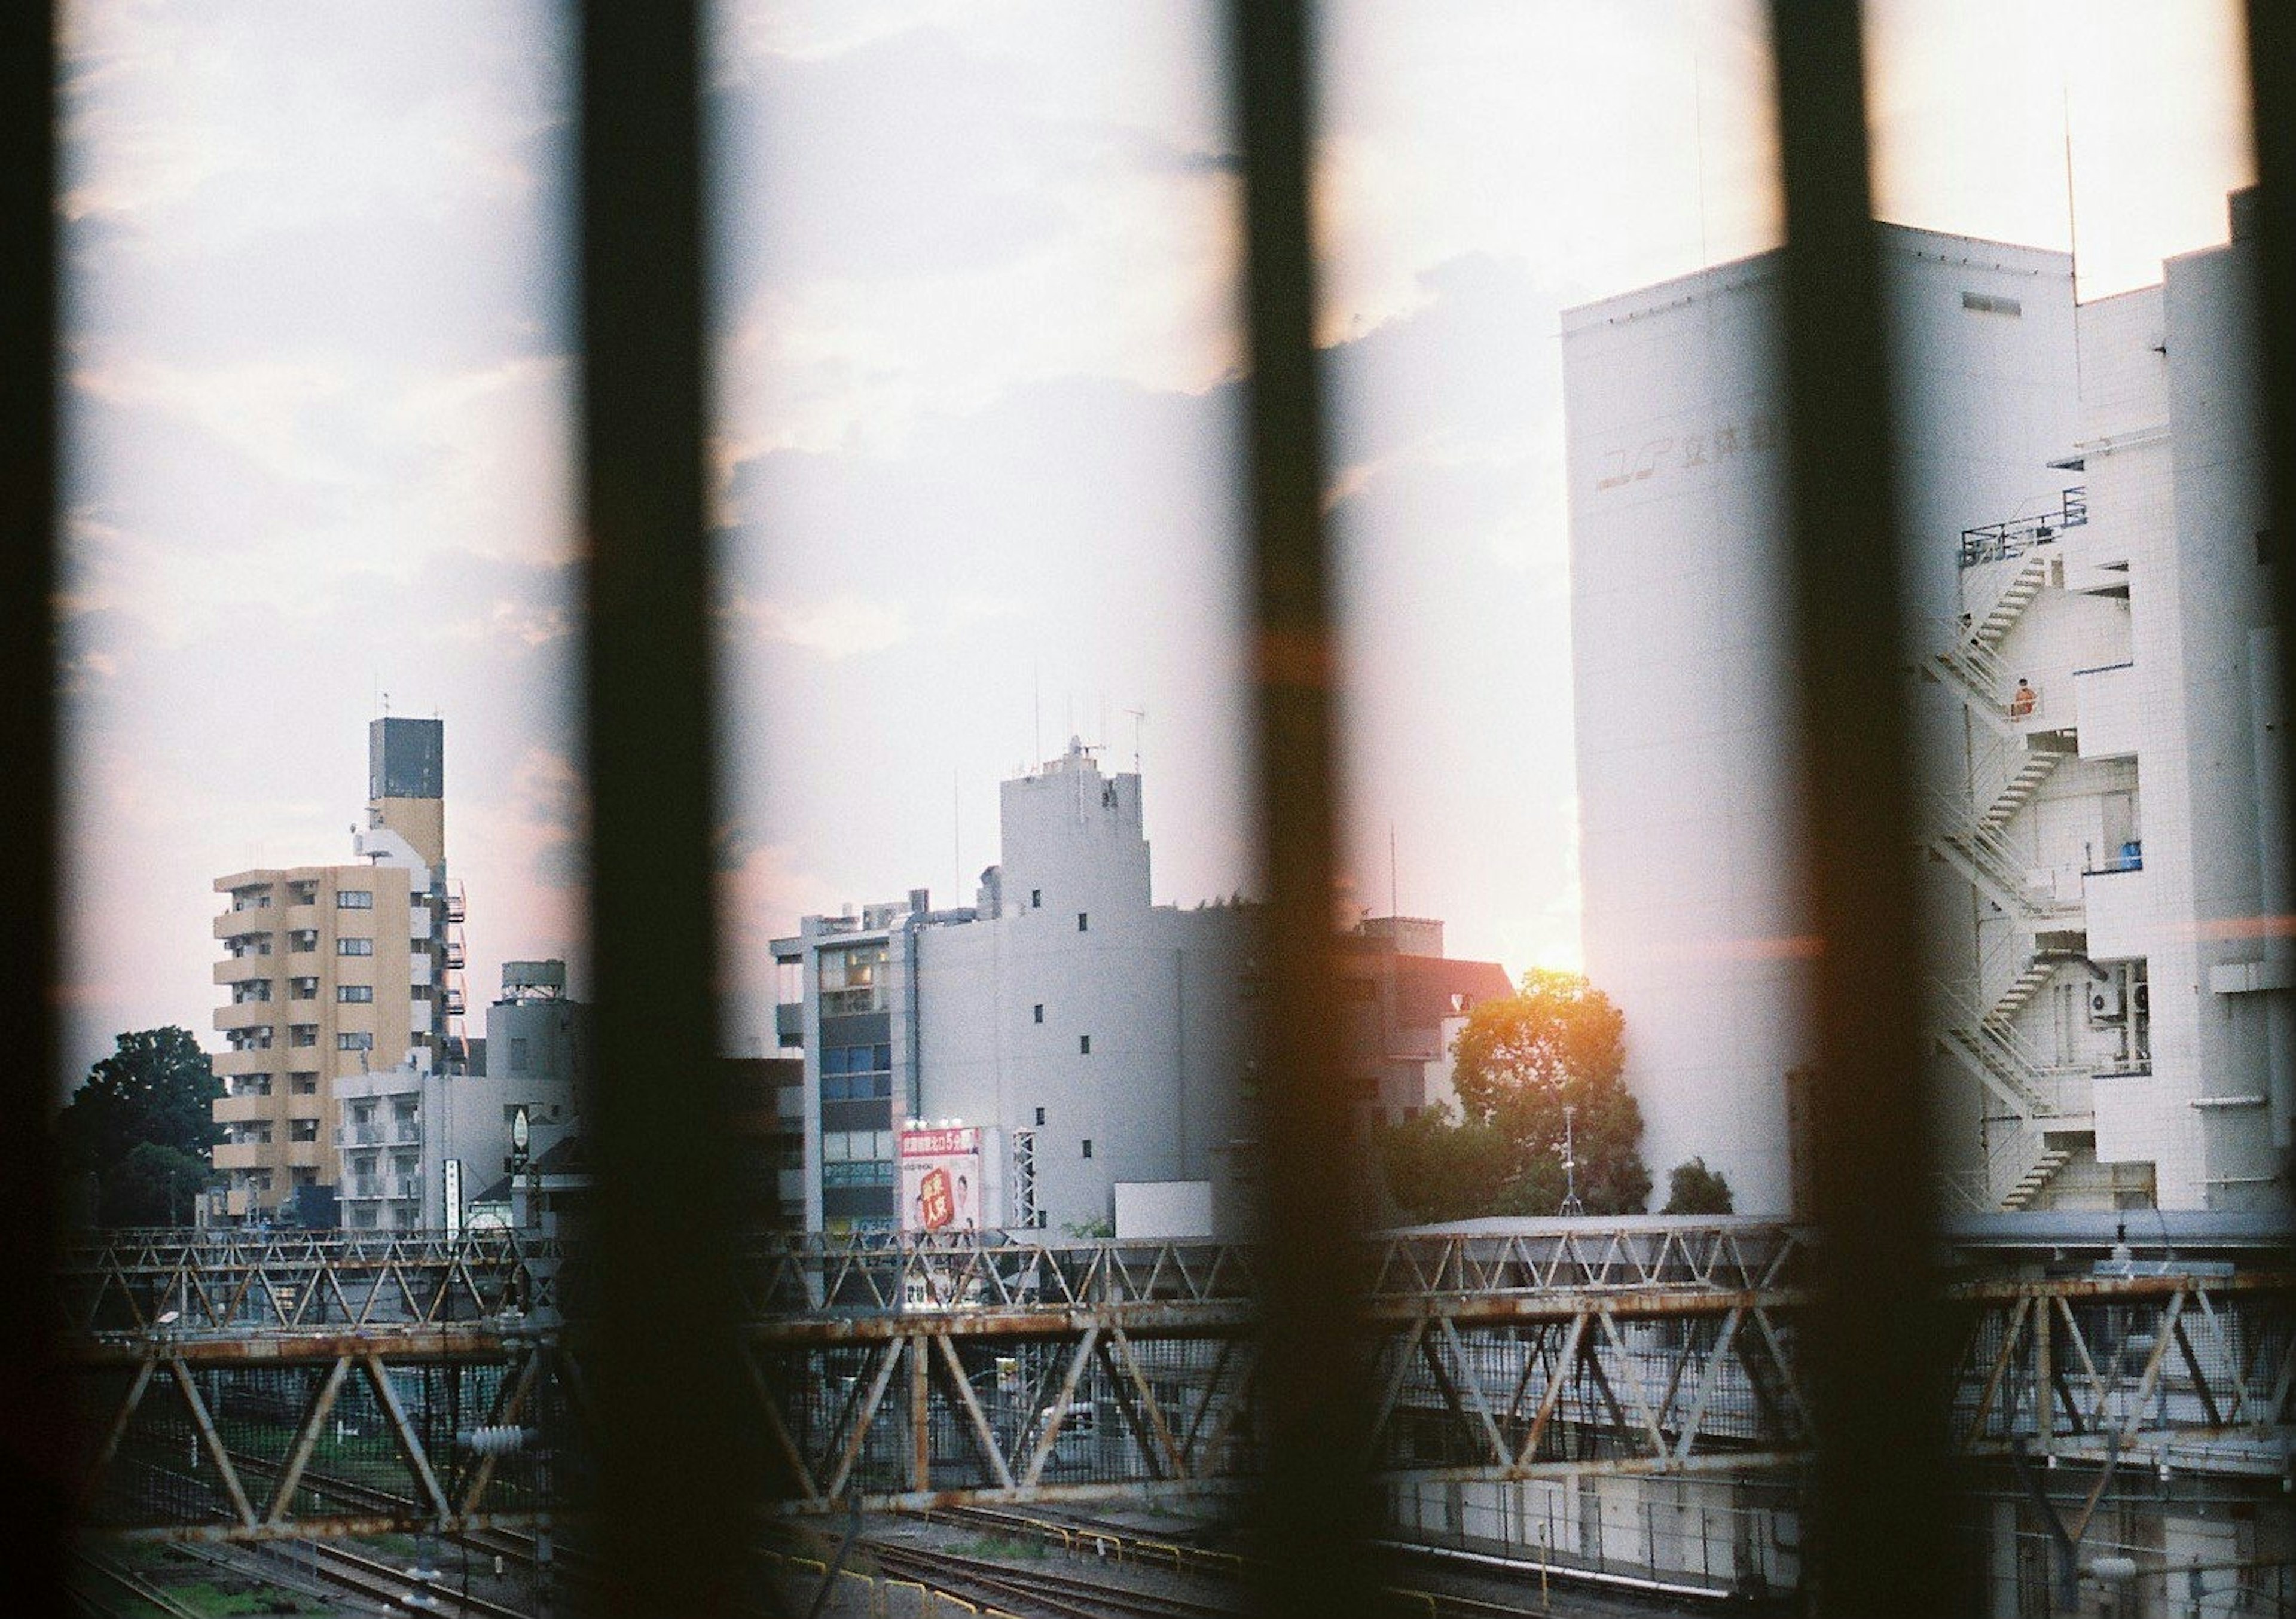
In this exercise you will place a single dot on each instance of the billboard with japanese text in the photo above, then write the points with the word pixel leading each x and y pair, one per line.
pixel 942 1189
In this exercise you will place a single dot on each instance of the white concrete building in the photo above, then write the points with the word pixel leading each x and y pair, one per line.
pixel 417 1144
pixel 1098 1036
pixel 2093 839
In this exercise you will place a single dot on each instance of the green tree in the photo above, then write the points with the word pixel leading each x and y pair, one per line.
pixel 1440 1167
pixel 1520 1063
pixel 153 1185
pixel 155 1090
pixel 1693 1189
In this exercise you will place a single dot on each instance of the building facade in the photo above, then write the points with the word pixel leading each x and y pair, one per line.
pixel 331 972
pixel 1095 1037
pixel 418 1143
pixel 2089 679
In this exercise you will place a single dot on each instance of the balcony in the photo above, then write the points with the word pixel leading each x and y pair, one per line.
pixel 407 1133
pixel 362 1185
pixel 244 1155
pixel 244 924
pixel 454 908
pixel 237 1109
pixel 359 1135
pixel 247 955
pixel 406 1186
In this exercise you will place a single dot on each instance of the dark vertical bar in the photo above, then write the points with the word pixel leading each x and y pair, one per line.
pixel 669 1487
pixel 2272 91
pixel 1876 1499
pixel 32 1484
pixel 1312 1501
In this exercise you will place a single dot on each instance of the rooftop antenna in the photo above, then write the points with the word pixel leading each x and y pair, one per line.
pixel 1571 1207
pixel 1139 719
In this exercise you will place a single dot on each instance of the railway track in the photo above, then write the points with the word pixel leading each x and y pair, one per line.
pixel 97 1576
pixel 1037 1593
pixel 1434 1600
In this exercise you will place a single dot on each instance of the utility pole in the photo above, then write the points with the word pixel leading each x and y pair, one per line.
pixel 1571 1206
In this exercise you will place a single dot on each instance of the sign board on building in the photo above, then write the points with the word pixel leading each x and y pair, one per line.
pixel 942 1188
pixel 453 1178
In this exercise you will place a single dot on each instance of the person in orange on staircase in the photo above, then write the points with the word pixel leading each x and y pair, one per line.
pixel 2021 700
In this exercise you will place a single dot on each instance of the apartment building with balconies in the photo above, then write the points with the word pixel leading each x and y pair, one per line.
pixel 333 971
pixel 2090 682
pixel 417 1142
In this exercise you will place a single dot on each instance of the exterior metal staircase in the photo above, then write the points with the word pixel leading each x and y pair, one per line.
pixel 2036 1179
pixel 1983 856
pixel 2026 768
pixel 2008 606
pixel 1977 1023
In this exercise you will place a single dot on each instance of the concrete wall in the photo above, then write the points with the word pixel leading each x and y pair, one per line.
pixel 1681 677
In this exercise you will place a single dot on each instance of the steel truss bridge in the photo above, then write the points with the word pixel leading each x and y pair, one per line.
pixel 252 1389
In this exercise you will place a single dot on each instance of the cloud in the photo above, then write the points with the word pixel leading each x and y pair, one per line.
pixel 845 626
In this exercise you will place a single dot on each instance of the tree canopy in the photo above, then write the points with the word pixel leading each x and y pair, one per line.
pixel 1520 1061
pixel 1693 1189
pixel 141 1123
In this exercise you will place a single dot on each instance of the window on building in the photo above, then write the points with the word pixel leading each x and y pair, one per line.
pixel 353 947
pixel 1040 1011
pixel 358 995
pixel 302 989
pixel 1035 898
pixel 355 899
pixel 1040 1115
pixel 1087 1147
pixel 252 989
pixel 1084 921
pixel 303 939
pixel 355 1042
pixel 302 1033
pixel 302 1129
pixel 303 893
pixel 1083 1045
pixel 303 1082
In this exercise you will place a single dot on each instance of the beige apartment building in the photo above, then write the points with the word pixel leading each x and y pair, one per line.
pixel 334 971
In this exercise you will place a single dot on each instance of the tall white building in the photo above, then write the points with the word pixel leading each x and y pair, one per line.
pixel 1098 1037
pixel 2093 702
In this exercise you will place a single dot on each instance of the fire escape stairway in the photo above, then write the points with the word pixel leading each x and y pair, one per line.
pixel 1971 666
pixel 2010 603
pixel 2037 1177
pixel 1986 1042
pixel 1979 853
pixel 2032 763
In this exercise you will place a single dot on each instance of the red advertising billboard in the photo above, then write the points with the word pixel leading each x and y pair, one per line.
pixel 941 1187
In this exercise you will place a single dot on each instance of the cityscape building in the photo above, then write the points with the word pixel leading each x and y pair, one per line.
pixel 2093 726
pixel 418 1143
pixel 1094 1037
pixel 331 971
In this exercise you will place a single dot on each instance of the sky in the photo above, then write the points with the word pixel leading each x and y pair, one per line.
pixel 976 283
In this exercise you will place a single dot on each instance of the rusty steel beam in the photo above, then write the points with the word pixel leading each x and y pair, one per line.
pixel 412 1344
pixel 335 1526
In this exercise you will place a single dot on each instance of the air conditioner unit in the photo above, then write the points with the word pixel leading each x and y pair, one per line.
pixel 2105 1003
pixel 2140 998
